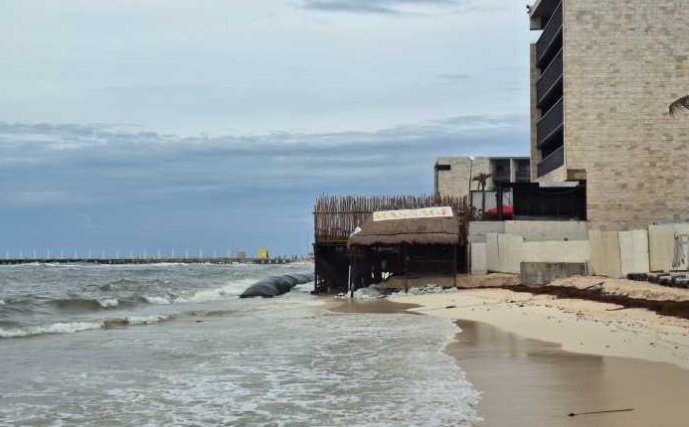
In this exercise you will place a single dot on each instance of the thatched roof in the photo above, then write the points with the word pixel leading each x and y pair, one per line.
pixel 417 231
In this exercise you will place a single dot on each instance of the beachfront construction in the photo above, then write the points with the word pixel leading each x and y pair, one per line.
pixel 604 191
pixel 603 74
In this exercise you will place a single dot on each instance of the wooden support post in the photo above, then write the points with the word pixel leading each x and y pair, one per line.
pixel 454 262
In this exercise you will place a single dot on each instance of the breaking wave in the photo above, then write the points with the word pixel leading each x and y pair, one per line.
pixel 74 327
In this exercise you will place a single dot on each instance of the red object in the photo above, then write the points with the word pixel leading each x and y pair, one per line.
pixel 507 212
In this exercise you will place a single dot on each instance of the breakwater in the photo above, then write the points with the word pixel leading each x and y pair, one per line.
pixel 146 260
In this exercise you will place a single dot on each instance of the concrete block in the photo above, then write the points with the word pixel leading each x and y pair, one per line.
pixel 605 253
pixel 478 258
pixel 576 251
pixel 538 231
pixel 510 253
pixel 634 256
pixel 492 252
pixel 542 273
pixel 661 244
pixel 479 229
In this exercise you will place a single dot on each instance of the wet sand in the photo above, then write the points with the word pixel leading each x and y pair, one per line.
pixel 526 382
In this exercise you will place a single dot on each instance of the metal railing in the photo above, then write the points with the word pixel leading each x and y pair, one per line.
pixel 550 123
pixel 550 32
pixel 550 77
pixel 552 162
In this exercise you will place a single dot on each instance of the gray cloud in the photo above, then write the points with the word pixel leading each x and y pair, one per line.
pixel 147 190
pixel 389 7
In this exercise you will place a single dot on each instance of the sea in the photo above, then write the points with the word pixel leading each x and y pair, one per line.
pixel 174 345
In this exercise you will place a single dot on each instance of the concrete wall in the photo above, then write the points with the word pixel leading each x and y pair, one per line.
pixel 548 230
pixel 505 252
pixel 661 242
pixel 492 253
pixel 616 254
pixel 510 252
pixel 575 251
pixel 542 273
pixel 479 229
pixel 634 253
pixel 605 253
pixel 610 253
pixel 536 231
pixel 477 253
pixel 624 64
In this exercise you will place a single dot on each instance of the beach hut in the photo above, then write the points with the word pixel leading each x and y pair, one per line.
pixel 337 218
pixel 407 244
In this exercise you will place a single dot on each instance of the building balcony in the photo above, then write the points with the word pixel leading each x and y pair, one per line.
pixel 541 11
pixel 549 86
pixel 553 161
pixel 550 124
pixel 550 41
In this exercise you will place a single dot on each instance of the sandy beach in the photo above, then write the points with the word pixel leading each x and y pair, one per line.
pixel 538 358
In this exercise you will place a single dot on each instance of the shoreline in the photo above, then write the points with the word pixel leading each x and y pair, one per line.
pixel 578 326
pixel 536 358
pixel 526 382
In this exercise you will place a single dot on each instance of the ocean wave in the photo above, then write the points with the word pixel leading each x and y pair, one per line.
pixel 109 302
pixel 86 303
pixel 74 327
pixel 232 289
pixel 54 328
pixel 135 320
pixel 156 300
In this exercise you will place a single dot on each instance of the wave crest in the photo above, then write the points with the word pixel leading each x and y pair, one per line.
pixel 74 327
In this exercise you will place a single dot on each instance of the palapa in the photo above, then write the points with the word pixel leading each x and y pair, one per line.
pixel 417 231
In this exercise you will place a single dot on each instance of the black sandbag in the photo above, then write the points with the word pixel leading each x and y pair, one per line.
pixel 276 285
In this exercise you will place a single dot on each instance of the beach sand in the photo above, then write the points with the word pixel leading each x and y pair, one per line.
pixel 538 358
pixel 527 382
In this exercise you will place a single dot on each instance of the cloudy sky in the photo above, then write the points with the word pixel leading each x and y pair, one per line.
pixel 213 124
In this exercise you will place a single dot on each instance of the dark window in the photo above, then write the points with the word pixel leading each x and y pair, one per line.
pixel 443 167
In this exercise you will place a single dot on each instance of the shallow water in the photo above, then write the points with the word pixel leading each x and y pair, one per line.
pixel 174 345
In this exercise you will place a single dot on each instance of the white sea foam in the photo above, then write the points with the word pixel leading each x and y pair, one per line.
pixel 2 302
pixel 157 300
pixel 109 302
pixel 304 288
pixel 54 328
pixel 145 320
pixel 234 288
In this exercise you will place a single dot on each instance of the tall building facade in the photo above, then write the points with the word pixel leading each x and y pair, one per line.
pixel 603 76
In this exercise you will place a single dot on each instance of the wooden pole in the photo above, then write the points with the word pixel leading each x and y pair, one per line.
pixel 454 261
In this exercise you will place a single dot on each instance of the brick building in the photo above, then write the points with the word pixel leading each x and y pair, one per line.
pixel 603 75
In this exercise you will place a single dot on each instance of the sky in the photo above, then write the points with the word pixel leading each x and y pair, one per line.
pixel 213 125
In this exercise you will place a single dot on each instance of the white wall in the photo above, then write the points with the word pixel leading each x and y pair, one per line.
pixel 510 252
pixel 478 258
pixel 505 252
pixel 610 253
pixel 605 253
pixel 557 251
pixel 538 231
pixel 532 231
pixel 634 254
pixel 492 253
pixel 479 229
pixel 661 244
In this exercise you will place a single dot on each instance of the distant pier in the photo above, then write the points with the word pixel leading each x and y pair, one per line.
pixel 142 260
